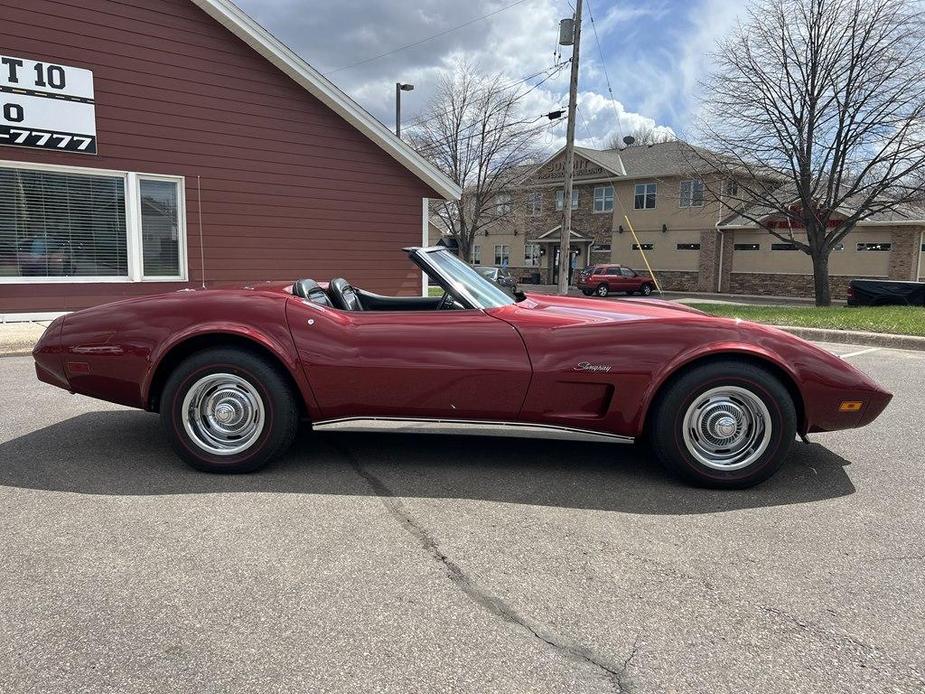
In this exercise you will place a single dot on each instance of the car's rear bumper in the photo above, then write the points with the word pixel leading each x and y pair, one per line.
pixel 49 357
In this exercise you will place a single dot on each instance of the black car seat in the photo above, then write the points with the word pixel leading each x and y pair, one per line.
pixel 343 295
pixel 311 290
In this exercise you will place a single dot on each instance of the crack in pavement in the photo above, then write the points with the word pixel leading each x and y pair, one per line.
pixel 491 603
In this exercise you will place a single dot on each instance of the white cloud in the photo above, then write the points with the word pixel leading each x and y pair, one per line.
pixel 655 52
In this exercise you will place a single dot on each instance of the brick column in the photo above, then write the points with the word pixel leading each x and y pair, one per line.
pixel 708 260
pixel 904 254
pixel 727 247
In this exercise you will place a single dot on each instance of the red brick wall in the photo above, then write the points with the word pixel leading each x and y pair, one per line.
pixel 787 285
pixel 289 189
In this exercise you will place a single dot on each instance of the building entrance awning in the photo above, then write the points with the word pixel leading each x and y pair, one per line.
pixel 554 235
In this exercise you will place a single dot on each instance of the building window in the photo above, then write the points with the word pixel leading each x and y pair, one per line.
pixel 746 247
pixel 838 246
pixel 601 248
pixel 643 246
pixel 503 203
pixel 874 246
pixel 644 196
pixel 784 247
pixel 532 254
pixel 560 196
pixel 502 255
pixel 70 224
pixel 691 193
pixel 160 227
pixel 730 188
pixel 603 199
pixel 476 255
pixel 688 246
pixel 535 203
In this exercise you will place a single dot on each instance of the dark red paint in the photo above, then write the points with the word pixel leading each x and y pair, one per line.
pixel 585 363
pixel 614 277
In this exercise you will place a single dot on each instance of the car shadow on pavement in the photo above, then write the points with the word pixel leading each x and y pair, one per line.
pixel 126 453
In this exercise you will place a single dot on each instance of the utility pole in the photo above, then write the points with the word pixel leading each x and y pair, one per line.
pixel 565 232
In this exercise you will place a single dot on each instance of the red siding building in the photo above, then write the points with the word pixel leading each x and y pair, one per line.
pixel 221 158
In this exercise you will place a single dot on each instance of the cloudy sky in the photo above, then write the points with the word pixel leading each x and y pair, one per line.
pixel 654 52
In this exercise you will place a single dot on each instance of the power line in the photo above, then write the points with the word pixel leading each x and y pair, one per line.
pixel 458 137
pixel 425 40
pixel 550 72
pixel 600 50
pixel 438 142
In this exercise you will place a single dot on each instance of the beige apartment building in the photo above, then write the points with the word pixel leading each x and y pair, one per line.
pixel 690 240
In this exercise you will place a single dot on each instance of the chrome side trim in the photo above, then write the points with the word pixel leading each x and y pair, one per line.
pixel 466 427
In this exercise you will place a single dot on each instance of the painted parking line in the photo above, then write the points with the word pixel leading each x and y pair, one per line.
pixel 860 352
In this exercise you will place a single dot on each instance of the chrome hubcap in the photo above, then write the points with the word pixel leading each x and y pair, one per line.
pixel 223 414
pixel 727 428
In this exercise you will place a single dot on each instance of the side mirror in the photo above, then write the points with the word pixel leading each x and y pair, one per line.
pixel 519 294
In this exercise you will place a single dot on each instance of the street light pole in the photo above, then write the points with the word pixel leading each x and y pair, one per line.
pixel 565 231
pixel 399 88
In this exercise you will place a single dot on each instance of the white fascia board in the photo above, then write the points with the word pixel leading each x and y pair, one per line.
pixel 272 49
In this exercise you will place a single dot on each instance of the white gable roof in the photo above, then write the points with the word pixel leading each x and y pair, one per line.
pixel 237 22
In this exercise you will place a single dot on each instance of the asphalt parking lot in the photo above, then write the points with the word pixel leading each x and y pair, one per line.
pixel 437 564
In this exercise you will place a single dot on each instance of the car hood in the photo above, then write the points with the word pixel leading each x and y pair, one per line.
pixel 572 310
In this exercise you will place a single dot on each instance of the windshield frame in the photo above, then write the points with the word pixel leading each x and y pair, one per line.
pixel 478 292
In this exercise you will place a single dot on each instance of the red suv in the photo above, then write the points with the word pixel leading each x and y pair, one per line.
pixel 604 279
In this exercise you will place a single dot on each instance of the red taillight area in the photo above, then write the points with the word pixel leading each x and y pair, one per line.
pixel 49 356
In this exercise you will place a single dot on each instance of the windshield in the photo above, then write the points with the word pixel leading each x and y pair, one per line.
pixel 467 281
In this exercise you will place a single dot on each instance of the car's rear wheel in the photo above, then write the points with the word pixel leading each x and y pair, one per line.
pixel 728 424
pixel 602 290
pixel 646 289
pixel 587 292
pixel 228 410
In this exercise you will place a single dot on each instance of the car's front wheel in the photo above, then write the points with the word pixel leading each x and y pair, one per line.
pixel 228 410
pixel 727 424
pixel 587 292
pixel 602 290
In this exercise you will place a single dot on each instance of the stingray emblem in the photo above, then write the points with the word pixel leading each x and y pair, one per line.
pixel 588 366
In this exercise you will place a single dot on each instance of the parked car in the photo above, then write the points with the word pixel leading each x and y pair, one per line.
pixel 499 275
pixel 233 371
pixel 886 293
pixel 607 279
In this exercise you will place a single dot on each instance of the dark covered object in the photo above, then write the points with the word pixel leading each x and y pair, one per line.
pixel 886 293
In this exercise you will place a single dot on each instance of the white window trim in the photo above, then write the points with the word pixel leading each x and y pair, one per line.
pixel 575 199
pixel 604 209
pixel 690 201
pixel 539 260
pixel 132 190
pixel 645 195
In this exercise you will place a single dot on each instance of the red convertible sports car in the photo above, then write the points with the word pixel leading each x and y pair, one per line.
pixel 233 372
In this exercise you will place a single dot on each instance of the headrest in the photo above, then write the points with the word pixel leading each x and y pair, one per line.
pixel 303 287
pixel 310 289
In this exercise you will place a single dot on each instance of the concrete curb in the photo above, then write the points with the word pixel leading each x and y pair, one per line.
pixel 853 337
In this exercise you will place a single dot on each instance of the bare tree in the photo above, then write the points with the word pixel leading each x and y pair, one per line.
pixel 473 131
pixel 816 112
pixel 643 135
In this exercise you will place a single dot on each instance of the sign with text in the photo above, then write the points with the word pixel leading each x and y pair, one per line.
pixel 46 106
